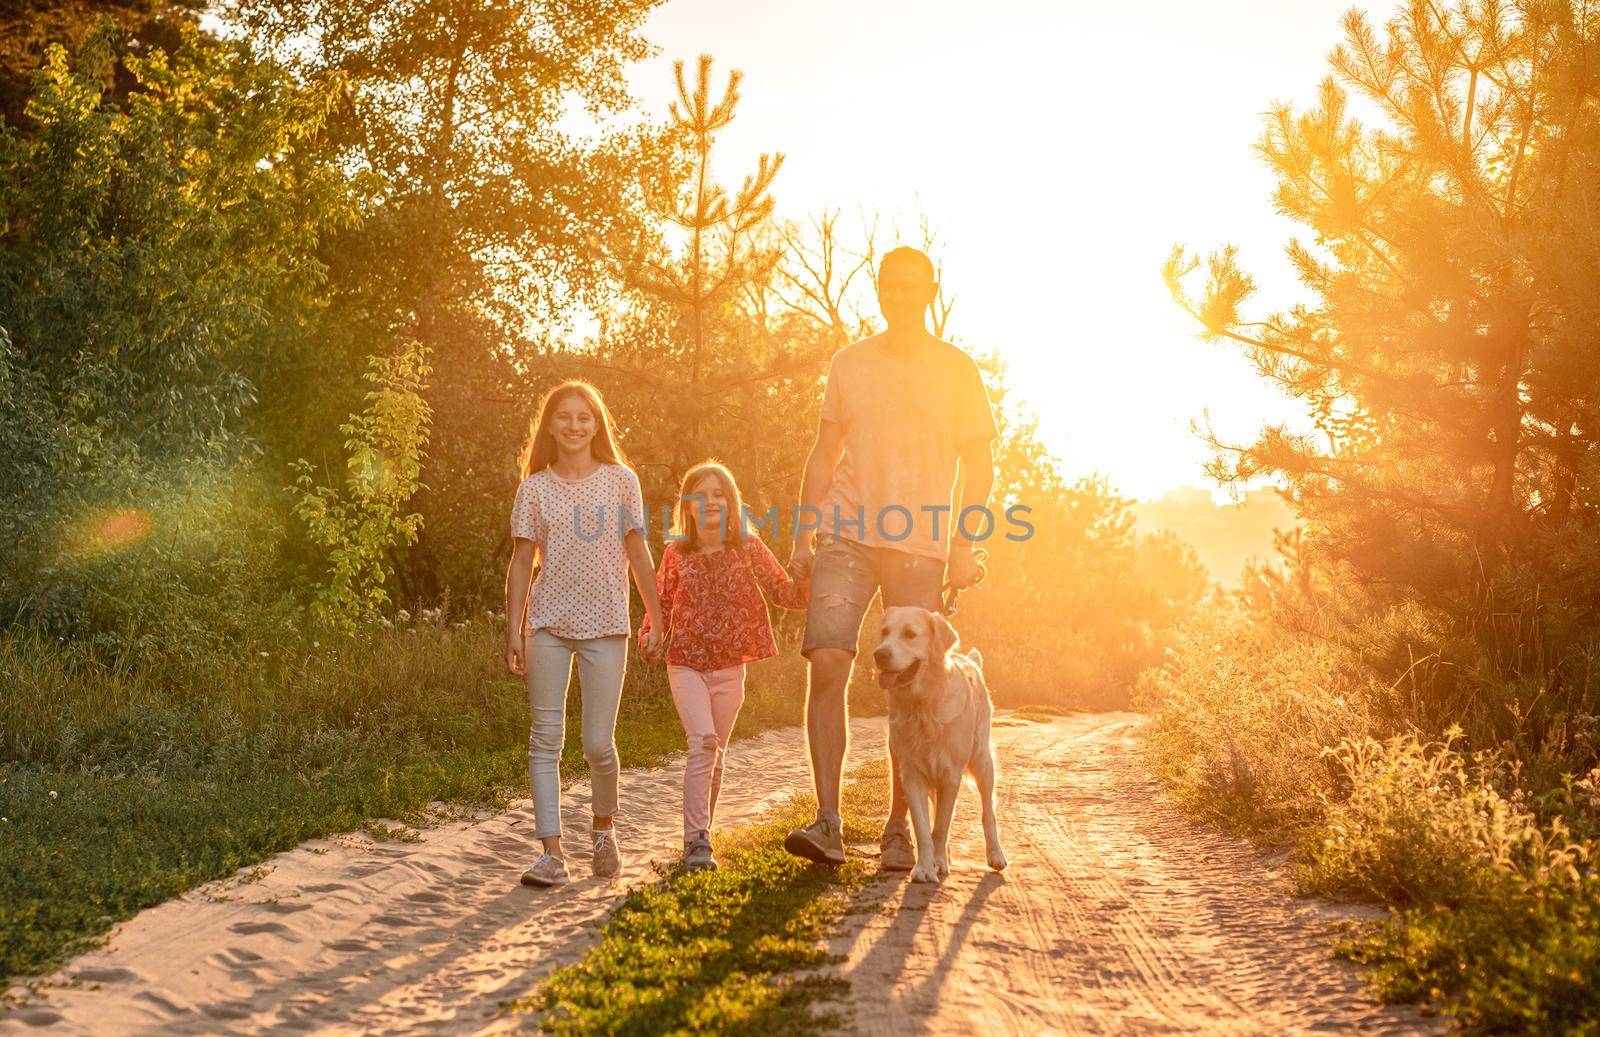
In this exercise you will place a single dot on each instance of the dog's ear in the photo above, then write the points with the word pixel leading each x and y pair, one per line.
pixel 944 635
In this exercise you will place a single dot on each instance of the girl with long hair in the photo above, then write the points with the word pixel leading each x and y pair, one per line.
pixel 579 512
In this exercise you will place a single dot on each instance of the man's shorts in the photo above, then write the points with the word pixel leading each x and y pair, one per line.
pixel 844 576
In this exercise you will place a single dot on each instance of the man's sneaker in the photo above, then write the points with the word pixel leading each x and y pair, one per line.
pixel 819 841
pixel 697 853
pixel 898 853
pixel 546 871
pixel 607 861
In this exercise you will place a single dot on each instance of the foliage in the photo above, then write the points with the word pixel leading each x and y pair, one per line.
pixel 1497 907
pixel 29 27
pixel 1284 733
pixel 1447 359
pixel 721 257
pixel 147 247
pixel 359 523
pixel 1243 713
pixel 482 235
pixel 150 240
pixel 1412 695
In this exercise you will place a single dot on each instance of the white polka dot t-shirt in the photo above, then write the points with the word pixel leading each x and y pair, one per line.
pixel 579 525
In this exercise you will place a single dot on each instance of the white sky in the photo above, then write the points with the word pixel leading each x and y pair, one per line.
pixel 1060 149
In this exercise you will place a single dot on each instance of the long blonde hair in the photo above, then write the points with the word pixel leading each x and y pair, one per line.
pixel 733 511
pixel 539 452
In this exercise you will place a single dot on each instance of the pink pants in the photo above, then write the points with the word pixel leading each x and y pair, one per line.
pixel 708 703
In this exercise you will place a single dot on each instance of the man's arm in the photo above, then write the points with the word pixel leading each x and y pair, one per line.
pixel 820 465
pixel 976 461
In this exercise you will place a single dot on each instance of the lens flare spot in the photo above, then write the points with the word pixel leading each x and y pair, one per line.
pixel 105 532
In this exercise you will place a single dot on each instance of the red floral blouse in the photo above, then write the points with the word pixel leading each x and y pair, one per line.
pixel 712 603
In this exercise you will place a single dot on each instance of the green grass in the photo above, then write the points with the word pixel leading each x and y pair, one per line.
pixel 123 786
pixel 734 951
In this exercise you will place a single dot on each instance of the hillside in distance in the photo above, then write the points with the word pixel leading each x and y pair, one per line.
pixel 1224 536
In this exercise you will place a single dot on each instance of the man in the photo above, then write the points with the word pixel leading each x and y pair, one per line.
pixel 900 412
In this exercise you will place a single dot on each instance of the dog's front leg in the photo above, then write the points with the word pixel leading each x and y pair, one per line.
pixel 917 802
pixel 944 800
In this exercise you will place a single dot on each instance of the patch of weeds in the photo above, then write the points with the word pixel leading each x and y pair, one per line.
pixel 1496 916
pixel 381 832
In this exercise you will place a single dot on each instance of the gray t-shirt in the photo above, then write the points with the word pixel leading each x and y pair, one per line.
pixel 904 423
pixel 579 525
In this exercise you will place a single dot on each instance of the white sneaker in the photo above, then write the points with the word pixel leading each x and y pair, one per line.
pixel 607 861
pixel 546 871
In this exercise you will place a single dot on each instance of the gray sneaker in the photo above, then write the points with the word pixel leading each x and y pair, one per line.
pixel 819 841
pixel 607 861
pixel 546 871
pixel 898 853
pixel 697 853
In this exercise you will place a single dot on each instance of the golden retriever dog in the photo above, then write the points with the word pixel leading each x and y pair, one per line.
pixel 938 727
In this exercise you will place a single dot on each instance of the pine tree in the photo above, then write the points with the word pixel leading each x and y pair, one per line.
pixel 1450 360
pixel 706 253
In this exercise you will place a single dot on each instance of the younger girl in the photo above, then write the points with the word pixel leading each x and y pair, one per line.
pixel 711 581
pixel 579 510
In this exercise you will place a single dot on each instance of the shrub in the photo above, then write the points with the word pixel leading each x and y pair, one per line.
pixel 1496 908
pixel 1243 712
pixel 1287 732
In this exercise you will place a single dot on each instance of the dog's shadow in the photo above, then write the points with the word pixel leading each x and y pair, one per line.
pixel 887 959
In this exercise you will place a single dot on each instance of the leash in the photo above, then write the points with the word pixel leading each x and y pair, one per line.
pixel 949 594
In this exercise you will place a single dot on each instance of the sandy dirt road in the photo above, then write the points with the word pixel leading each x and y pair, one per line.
pixel 1116 916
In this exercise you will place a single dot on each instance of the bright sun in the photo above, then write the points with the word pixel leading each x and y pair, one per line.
pixel 1060 150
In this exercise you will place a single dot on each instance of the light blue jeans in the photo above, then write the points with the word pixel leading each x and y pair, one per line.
pixel 601 664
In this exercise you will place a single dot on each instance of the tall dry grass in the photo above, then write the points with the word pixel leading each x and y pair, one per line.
pixel 1297 735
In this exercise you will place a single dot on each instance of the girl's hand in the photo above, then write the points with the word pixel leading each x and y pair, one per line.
pixel 514 660
pixel 650 643
pixel 800 558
